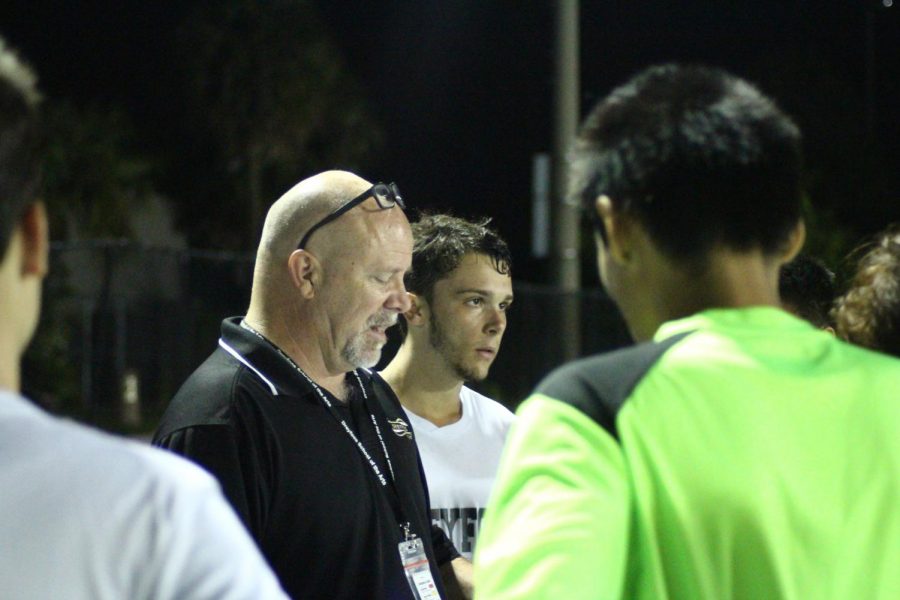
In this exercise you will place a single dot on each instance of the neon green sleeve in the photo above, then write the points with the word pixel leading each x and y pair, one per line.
pixel 557 522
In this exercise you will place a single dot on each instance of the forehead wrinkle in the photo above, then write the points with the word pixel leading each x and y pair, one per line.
pixel 481 291
pixel 492 296
pixel 371 232
pixel 348 236
pixel 491 284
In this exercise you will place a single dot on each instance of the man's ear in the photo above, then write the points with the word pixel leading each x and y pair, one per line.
pixel 305 271
pixel 618 229
pixel 35 237
pixel 418 310
pixel 795 241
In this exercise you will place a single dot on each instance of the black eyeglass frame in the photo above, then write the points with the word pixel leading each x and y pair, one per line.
pixel 387 195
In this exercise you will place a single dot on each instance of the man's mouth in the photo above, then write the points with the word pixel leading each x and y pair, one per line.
pixel 379 325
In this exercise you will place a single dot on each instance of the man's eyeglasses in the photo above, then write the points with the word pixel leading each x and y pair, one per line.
pixel 387 195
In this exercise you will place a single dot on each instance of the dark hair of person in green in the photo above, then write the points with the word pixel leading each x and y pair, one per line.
pixel 807 289
pixel 868 314
pixel 698 156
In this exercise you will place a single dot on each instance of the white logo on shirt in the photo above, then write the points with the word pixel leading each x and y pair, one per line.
pixel 400 428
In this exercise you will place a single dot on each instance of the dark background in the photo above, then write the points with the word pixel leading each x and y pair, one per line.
pixel 450 99
pixel 462 90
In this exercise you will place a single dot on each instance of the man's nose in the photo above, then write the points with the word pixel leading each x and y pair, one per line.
pixel 496 323
pixel 399 300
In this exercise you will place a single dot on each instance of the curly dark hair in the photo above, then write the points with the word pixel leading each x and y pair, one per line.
pixel 440 241
pixel 868 314
pixel 698 156
pixel 807 288
pixel 20 150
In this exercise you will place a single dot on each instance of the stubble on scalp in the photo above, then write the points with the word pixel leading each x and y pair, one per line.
pixel 288 219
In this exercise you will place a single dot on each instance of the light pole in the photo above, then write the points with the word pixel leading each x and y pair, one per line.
pixel 566 272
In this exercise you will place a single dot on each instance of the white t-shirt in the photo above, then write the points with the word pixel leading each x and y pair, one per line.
pixel 85 515
pixel 460 462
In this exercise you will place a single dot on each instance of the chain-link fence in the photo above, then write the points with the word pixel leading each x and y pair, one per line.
pixel 124 325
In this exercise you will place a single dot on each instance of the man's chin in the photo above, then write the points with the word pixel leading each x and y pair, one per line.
pixel 471 375
pixel 364 359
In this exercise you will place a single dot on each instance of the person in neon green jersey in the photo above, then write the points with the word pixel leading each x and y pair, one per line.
pixel 736 451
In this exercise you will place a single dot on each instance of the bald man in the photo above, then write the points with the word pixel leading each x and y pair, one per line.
pixel 317 460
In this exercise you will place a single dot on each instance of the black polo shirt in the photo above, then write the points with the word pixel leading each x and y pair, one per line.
pixel 300 484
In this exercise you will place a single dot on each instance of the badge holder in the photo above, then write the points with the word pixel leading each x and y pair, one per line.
pixel 416 568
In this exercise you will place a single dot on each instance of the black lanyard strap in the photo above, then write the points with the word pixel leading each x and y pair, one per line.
pixel 323 396
pixel 343 423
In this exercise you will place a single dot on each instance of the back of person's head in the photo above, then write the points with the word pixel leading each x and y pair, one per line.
pixel 699 157
pixel 807 289
pixel 441 241
pixel 19 142
pixel 868 314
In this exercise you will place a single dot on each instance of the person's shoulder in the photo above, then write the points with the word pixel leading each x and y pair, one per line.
pixel 105 466
pixel 124 456
pixel 487 407
pixel 879 365
pixel 600 385
pixel 612 375
pixel 209 395
pixel 215 377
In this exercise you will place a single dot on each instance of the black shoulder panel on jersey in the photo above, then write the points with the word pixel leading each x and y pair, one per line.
pixel 599 385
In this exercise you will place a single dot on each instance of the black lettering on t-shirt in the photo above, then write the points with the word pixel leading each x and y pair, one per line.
pixel 460 524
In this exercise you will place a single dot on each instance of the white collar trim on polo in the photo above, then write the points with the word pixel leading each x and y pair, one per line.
pixel 247 364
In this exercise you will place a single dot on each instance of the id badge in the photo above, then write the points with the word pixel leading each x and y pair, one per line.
pixel 418 572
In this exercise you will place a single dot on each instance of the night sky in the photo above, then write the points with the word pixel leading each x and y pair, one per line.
pixel 463 89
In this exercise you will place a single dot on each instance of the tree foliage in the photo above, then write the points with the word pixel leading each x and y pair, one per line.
pixel 267 87
pixel 92 176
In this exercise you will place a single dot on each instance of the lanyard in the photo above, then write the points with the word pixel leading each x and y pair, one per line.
pixel 341 421
pixel 349 431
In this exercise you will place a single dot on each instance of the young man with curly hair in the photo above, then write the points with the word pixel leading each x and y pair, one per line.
pixel 460 290
pixel 868 314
